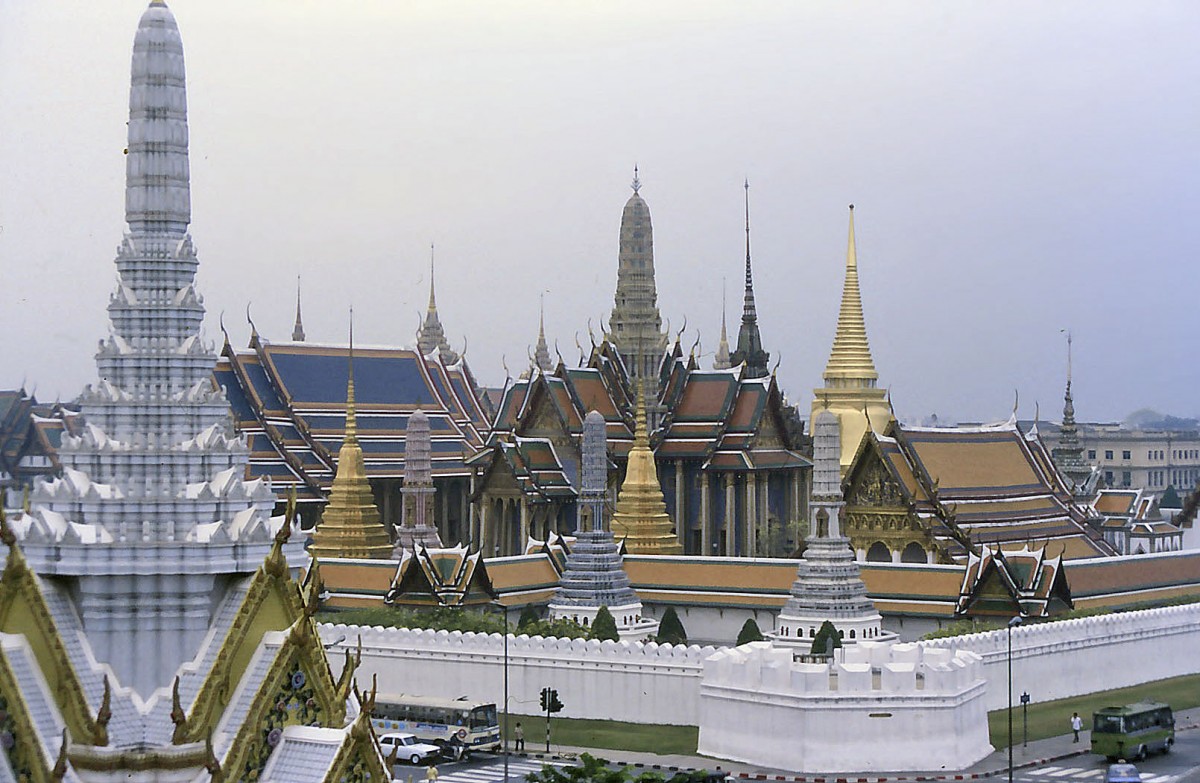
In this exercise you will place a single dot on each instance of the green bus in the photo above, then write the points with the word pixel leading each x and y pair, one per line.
pixel 1133 731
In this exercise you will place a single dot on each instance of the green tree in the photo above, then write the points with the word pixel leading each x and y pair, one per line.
pixel 593 770
pixel 604 627
pixel 749 633
pixel 1170 498
pixel 529 616
pixel 826 640
pixel 670 629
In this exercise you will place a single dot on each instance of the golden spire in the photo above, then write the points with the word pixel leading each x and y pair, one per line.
pixel 851 355
pixel 350 526
pixel 641 516
pixel 432 302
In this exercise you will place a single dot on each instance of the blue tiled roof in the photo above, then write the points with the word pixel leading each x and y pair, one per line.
pixel 315 378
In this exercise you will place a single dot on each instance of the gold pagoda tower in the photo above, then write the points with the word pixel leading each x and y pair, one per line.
pixel 350 526
pixel 641 516
pixel 851 390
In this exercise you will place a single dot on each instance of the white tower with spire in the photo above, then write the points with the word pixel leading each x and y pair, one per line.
pixel 151 518
pixel 828 584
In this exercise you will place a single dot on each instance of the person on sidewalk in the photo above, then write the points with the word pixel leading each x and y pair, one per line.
pixel 518 739
pixel 431 774
pixel 1076 725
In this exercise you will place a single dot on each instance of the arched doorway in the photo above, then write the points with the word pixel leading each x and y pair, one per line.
pixel 913 553
pixel 879 553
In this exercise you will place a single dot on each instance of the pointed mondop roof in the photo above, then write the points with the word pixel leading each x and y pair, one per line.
pixel 749 343
pixel 541 353
pixel 350 525
pixel 721 360
pixel 432 337
pixel 851 355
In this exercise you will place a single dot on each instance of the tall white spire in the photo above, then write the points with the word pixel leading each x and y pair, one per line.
pixel 158 467
pixel 157 192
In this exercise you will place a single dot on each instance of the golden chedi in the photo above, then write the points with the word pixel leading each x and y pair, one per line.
pixel 350 526
pixel 641 516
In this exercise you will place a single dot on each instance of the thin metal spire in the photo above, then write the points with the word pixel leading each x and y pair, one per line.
pixel 637 182
pixel 351 414
pixel 298 328
pixel 432 301
pixel 749 313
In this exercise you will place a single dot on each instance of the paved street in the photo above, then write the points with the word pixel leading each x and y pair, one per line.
pixel 480 768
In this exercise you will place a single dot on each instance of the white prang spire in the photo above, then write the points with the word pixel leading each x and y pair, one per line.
pixel 157 193
pixel 157 468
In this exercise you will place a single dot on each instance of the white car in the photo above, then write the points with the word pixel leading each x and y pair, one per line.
pixel 408 748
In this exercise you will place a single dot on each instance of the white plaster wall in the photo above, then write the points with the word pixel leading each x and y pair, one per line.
pixel 1085 655
pixel 878 711
pixel 718 626
pixel 626 681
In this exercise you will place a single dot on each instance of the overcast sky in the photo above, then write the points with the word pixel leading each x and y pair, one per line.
pixel 1017 169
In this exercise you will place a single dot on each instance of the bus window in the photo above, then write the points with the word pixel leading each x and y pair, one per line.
pixel 1108 724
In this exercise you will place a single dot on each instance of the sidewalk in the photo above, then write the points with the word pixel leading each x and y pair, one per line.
pixel 1036 752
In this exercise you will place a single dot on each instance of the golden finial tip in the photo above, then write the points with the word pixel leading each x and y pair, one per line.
pixel 851 207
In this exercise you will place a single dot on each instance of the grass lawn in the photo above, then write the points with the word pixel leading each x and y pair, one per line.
pixel 607 734
pixel 1051 718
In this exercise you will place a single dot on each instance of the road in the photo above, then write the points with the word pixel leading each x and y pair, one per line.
pixel 1181 765
pixel 479 768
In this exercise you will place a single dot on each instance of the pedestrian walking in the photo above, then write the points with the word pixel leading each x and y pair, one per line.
pixel 518 739
pixel 1076 725
pixel 431 774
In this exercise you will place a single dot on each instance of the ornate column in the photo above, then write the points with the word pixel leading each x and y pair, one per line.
pixel 524 536
pixel 730 514
pixel 681 517
pixel 705 514
pixel 752 522
pixel 480 533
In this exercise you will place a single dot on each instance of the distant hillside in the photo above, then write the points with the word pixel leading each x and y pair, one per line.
pixel 1147 419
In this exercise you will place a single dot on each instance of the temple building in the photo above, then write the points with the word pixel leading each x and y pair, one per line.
pixel 940 495
pixel 727 447
pixel 288 399
pixel 732 477
pixel 851 391
pixel 150 625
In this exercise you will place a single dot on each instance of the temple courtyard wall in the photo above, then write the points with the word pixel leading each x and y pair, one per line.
pixel 651 683
pixel 1088 654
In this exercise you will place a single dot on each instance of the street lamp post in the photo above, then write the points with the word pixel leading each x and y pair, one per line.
pixel 1013 623
pixel 504 731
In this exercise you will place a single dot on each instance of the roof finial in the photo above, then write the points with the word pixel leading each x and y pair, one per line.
pixel 351 414
pixel 637 182
pixel 298 329
pixel 432 302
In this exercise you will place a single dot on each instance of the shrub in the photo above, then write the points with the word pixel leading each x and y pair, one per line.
pixel 529 616
pixel 826 641
pixel 749 633
pixel 604 627
pixel 670 629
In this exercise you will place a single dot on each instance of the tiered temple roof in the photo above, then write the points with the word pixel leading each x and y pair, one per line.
pixel 969 488
pixel 726 420
pixel 289 400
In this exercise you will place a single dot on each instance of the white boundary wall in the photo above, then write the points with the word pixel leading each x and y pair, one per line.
pixel 651 683
pixel 906 708
pixel 626 681
pixel 1088 654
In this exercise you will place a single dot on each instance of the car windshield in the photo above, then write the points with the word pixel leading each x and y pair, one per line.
pixel 483 717
pixel 408 740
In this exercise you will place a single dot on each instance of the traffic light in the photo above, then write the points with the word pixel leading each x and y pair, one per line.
pixel 550 703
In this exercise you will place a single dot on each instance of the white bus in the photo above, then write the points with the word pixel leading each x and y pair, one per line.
pixel 470 725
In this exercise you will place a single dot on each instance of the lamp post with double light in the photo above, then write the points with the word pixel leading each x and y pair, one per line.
pixel 1013 623
pixel 504 727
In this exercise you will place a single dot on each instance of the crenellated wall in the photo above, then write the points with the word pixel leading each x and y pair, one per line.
pixel 651 683
pixel 906 708
pixel 626 681
pixel 1085 655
